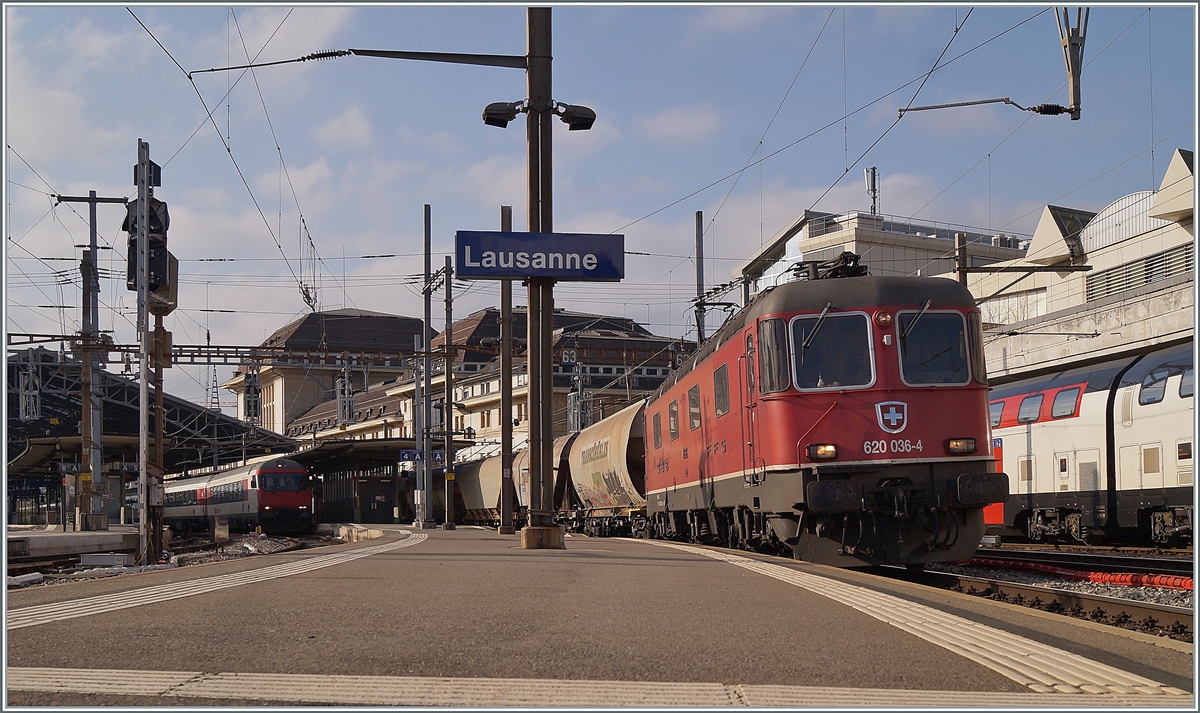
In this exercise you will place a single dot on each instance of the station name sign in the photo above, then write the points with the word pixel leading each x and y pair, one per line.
pixel 553 256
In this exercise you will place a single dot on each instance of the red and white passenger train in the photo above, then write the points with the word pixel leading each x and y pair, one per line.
pixel 842 421
pixel 1102 451
pixel 272 492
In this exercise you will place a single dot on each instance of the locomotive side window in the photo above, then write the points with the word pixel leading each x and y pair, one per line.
pixel 694 407
pixel 1064 403
pixel 1185 384
pixel 673 419
pixel 995 411
pixel 1031 408
pixel 1154 387
pixel 721 390
pixel 658 430
pixel 831 351
pixel 772 356
pixel 749 364
pixel 933 348
pixel 978 361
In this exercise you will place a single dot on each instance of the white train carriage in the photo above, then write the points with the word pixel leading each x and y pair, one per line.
pixel 1102 450
pixel 273 492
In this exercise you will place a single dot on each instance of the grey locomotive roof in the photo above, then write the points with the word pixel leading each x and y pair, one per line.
pixel 854 292
pixel 844 293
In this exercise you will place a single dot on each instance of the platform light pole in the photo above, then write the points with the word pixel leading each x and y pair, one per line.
pixel 540 108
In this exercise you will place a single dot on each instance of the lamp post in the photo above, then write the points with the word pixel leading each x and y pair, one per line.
pixel 540 109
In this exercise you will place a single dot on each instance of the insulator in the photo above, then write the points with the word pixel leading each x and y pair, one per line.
pixel 1048 109
pixel 327 54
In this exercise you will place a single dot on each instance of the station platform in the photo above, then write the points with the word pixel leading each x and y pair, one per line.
pixel 52 541
pixel 469 618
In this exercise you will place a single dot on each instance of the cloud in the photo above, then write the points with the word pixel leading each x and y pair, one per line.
pixel 679 125
pixel 48 119
pixel 305 28
pixel 732 20
pixel 350 129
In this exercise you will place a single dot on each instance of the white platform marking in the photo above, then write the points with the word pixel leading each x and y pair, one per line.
pixel 59 611
pixel 1041 668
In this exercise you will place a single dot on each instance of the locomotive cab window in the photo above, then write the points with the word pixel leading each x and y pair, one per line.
pixel 772 356
pixel 658 430
pixel 283 481
pixel 1031 408
pixel 995 411
pixel 1064 403
pixel 933 348
pixel 673 419
pixel 694 407
pixel 831 351
pixel 1185 384
pixel 721 390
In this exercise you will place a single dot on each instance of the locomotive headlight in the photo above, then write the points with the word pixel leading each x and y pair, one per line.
pixel 960 445
pixel 883 318
pixel 822 451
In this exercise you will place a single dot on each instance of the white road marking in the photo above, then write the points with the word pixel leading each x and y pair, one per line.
pixel 493 692
pixel 1039 667
pixel 59 611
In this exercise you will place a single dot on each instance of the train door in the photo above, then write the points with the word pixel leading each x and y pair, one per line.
pixel 751 472
pixel 1151 464
pixel 1026 467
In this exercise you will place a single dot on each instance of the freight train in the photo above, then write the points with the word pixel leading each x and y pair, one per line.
pixel 1099 452
pixel 271 492
pixel 839 419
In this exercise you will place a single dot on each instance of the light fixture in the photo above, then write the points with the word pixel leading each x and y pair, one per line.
pixel 822 451
pixel 500 113
pixel 577 118
pixel 960 445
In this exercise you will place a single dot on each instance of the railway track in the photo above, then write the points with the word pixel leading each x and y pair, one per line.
pixel 1092 561
pixel 1157 619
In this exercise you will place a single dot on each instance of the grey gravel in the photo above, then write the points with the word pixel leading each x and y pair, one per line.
pixel 1154 595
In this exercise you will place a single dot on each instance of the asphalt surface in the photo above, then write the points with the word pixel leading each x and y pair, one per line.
pixel 472 604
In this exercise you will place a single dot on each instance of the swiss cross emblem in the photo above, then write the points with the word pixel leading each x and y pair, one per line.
pixel 892 415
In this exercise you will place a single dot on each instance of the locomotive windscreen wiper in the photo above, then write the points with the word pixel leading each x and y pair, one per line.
pixel 908 330
pixel 817 326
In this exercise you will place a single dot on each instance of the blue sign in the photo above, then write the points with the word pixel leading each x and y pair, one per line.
pixel 406 456
pixel 552 256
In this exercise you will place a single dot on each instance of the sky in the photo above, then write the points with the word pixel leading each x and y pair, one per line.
pixel 317 173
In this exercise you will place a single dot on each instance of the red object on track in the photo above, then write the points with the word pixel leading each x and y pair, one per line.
pixel 1164 581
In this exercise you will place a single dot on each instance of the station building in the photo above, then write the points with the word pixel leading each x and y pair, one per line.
pixel 1138 294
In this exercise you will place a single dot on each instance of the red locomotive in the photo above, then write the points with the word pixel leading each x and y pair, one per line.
pixel 842 419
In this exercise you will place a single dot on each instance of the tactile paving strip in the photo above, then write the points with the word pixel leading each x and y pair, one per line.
pixel 494 692
pixel 1041 668
pixel 59 611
